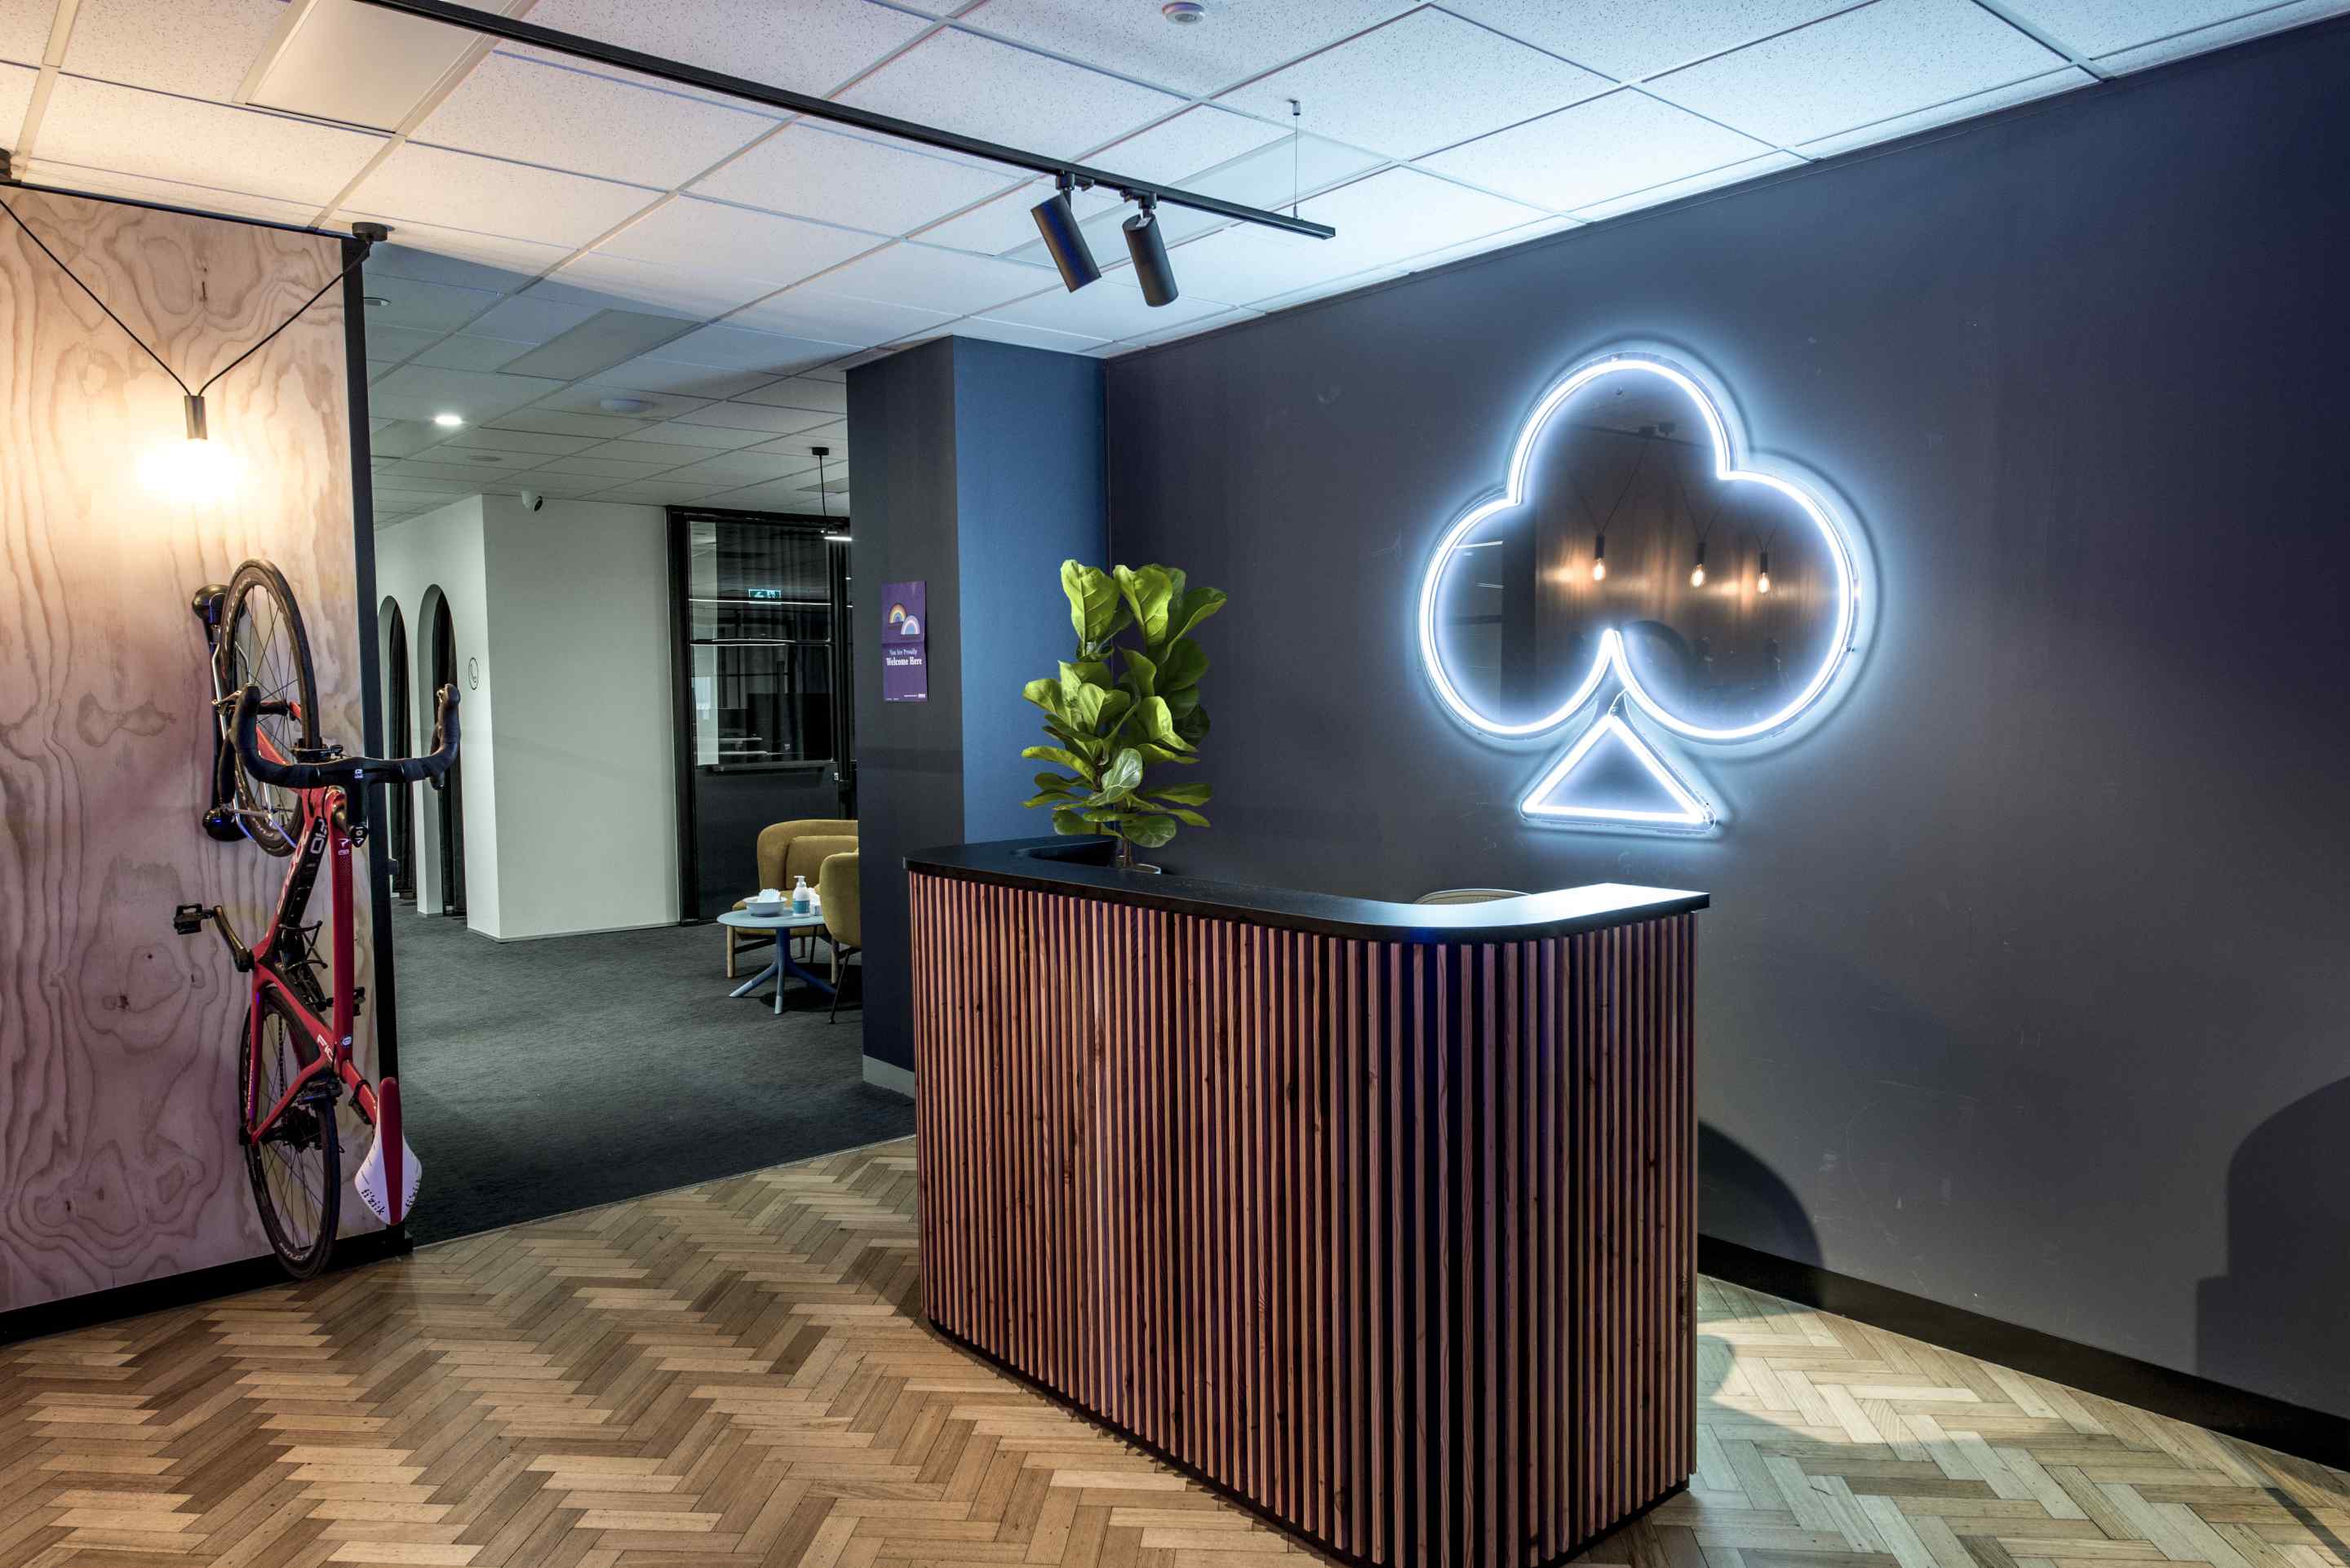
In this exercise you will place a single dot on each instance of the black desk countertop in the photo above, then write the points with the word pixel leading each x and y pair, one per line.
pixel 1085 867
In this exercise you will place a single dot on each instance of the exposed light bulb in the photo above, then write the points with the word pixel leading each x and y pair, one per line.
pixel 1697 572
pixel 1762 578
pixel 1598 571
pixel 1599 557
pixel 196 471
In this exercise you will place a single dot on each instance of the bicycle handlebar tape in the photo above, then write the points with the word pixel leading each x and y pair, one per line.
pixel 345 770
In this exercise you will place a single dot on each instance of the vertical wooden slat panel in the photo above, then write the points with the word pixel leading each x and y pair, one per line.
pixel 1395 1239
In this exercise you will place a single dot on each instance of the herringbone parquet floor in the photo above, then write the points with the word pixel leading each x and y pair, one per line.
pixel 735 1374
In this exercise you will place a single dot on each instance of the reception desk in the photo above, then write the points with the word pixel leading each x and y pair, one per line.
pixel 1381 1216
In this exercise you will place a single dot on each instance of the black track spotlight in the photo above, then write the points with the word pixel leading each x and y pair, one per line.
pixel 1058 225
pixel 1148 248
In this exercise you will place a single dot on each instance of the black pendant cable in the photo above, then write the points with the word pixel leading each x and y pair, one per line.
pixel 1704 530
pixel 366 233
pixel 1599 534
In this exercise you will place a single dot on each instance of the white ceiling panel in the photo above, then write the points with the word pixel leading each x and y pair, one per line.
pixel 138 188
pixel 671 377
pixel 538 111
pixel 717 438
pixel 491 196
pixel 2094 27
pixel 836 318
pixel 1855 68
pixel 1967 108
pixel 25 33
pixel 729 347
pixel 932 279
pixel 717 238
pixel 430 306
pixel 1237 40
pixel 1025 336
pixel 389 342
pixel 662 492
pixel 101 126
pixel 532 319
pixel 197 49
pixel 1629 39
pixel 793 495
pixel 2180 46
pixel 468 261
pixel 1418 84
pixel 806 46
pixel 736 468
pixel 15 97
pixel 1005 223
pixel 804 392
pixel 423 393
pixel 1674 190
pixel 317 71
pixel 1173 334
pixel 755 417
pixel 1604 148
pixel 468 353
pixel 642 286
pixel 834 436
pixel 1026 100
pixel 1285 171
pixel 588 398
pixel 489 438
pixel 886 187
pixel 547 423
pixel 1110 307
pixel 592 467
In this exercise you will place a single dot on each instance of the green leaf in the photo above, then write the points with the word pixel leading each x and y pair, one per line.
pixel 1197 604
pixel 1191 723
pixel 1093 601
pixel 1148 594
pixel 1149 832
pixel 1055 797
pixel 1092 670
pixel 1182 667
pixel 1151 753
pixel 1190 818
pixel 1065 820
pixel 1181 794
pixel 1123 776
pixel 1141 674
pixel 1067 758
pixel 1055 781
pixel 1160 725
pixel 1046 695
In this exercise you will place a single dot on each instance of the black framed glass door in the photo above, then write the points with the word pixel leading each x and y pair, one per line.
pixel 761 610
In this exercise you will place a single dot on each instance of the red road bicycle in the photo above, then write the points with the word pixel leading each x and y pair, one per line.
pixel 276 785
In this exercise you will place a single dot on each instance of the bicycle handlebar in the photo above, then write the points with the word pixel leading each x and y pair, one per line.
pixel 346 770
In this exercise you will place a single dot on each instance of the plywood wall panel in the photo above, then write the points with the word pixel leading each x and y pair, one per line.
pixel 1397 1241
pixel 117 1038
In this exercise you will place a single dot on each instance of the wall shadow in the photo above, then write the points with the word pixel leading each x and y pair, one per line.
pixel 1742 1199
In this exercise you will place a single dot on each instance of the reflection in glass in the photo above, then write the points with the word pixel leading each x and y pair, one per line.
pixel 1626 467
pixel 759 631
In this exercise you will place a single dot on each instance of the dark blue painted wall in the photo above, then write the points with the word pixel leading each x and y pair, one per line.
pixel 2025 986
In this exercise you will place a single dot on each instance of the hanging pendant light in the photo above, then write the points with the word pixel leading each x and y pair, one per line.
pixel 1599 557
pixel 1696 572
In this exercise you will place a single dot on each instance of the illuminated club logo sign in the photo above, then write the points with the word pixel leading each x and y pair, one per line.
pixel 1633 568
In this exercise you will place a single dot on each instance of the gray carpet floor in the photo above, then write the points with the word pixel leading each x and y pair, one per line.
pixel 541 1076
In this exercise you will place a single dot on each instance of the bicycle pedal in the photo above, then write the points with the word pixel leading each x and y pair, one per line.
pixel 188 919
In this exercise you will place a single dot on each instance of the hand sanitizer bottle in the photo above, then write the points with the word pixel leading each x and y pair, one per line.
pixel 799 896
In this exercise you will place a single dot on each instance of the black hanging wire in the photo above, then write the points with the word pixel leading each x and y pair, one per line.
pixel 1712 516
pixel 365 247
pixel 1583 500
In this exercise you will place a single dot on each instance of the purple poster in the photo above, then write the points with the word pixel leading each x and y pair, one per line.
pixel 904 628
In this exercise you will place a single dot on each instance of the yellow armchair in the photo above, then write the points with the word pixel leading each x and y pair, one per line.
pixel 787 850
pixel 843 914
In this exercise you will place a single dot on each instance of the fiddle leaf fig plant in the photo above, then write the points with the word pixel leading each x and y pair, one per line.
pixel 1118 708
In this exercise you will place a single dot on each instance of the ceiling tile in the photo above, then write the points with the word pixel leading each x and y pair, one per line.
pixel 1629 39
pixel 519 106
pixel 2178 45
pixel 489 196
pixel 603 340
pixel 402 437
pixel 317 72
pixel 793 495
pixel 459 472
pixel 756 417
pixel 662 492
pixel 809 45
pixel 730 346
pixel 587 398
pixel 2093 27
pixel 196 48
pixel 421 392
pixel 716 437
pixel 1189 329
pixel 442 264
pixel 385 341
pixel 489 438
pixel 675 379
pixel 1237 42
pixel 532 319
pixel 733 468
pixel 600 467
pixel 1007 224
pixel 1862 66
pixel 716 237
pixel 1029 101
pixel 138 188
pixel 635 285
pixel 887 187
pixel 803 393
pixel 1612 145
pixel 1024 335
pixel 930 279
pixel 1674 190
pixel 1110 307
pixel 424 306
pixel 836 319
pixel 1967 108
pixel 134 133
pixel 16 84
pixel 549 422
pixel 25 33
pixel 834 436
pixel 1374 90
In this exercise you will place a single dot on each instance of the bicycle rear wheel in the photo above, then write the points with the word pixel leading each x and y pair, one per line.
pixel 297 1168
pixel 262 645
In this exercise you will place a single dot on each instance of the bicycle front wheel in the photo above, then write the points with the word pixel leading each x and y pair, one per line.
pixel 297 1166
pixel 262 645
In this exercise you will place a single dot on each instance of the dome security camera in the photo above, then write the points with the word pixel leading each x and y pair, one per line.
pixel 532 500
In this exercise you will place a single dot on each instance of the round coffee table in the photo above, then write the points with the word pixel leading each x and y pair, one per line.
pixel 782 925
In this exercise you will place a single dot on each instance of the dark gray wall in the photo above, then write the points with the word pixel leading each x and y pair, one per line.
pixel 2025 988
pixel 979 470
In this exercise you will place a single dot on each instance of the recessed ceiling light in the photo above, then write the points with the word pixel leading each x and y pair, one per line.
pixel 375 301
pixel 448 422
pixel 624 405
pixel 1183 13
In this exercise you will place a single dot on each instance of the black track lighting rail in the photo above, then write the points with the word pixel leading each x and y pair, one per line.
pixel 514 30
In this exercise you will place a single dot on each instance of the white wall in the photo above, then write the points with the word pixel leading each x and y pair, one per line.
pixel 586 768
pixel 443 550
